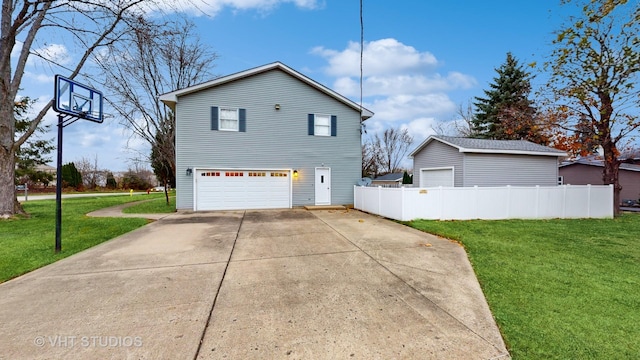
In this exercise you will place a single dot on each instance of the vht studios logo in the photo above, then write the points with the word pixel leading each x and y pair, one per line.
pixel 70 341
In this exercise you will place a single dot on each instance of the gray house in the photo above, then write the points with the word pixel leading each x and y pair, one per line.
pixel 464 162
pixel 267 137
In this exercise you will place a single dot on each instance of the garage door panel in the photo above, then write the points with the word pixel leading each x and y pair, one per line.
pixel 242 189
pixel 436 177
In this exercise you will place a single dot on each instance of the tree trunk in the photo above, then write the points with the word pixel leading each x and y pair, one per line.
pixel 610 173
pixel 7 161
pixel 17 208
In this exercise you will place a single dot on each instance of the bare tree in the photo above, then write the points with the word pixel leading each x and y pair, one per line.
pixel 91 24
pixel 92 176
pixel 371 159
pixel 156 59
pixel 393 147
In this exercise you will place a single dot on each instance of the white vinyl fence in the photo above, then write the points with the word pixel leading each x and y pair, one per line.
pixel 490 203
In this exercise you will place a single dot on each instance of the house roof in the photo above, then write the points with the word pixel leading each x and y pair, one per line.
pixel 390 177
pixel 469 145
pixel 600 163
pixel 171 98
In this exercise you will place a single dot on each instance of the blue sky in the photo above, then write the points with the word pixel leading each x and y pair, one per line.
pixel 422 58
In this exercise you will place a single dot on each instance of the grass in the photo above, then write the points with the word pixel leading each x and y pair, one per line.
pixel 559 289
pixel 28 243
pixel 154 206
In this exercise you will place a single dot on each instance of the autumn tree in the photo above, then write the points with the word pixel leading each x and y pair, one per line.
pixel 155 59
pixel 506 112
pixel 87 24
pixel 594 75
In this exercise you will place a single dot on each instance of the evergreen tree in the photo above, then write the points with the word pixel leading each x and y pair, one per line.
pixel 506 113
pixel 32 152
pixel 111 181
pixel 71 176
pixel 406 178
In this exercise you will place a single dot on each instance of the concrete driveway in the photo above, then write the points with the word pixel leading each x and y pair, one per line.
pixel 288 284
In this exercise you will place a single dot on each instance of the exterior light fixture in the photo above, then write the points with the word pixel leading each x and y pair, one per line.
pixel 295 173
pixel 189 171
pixel 277 107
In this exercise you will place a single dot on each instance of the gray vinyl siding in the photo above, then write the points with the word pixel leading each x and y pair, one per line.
pixel 436 155
pixel 274 139
pixel 509 169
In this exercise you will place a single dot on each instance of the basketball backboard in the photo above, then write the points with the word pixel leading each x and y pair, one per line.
pixel 75 99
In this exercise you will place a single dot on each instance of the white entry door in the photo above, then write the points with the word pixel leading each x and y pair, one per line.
pixel 323 186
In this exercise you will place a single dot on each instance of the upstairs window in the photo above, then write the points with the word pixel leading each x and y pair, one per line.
pixel 226 118
pixel 229 119
pixel 322 125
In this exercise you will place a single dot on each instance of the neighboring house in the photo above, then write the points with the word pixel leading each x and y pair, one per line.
pixel 389 180
pixel 465 162
pixel 589 171
pixel 267 137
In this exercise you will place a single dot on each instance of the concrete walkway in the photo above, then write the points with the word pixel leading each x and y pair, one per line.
pixel 290 284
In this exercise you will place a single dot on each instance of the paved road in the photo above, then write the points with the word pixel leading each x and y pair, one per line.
pixel 287 284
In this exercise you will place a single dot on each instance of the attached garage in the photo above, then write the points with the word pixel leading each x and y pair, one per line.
pixel 436 177
pixel 229 189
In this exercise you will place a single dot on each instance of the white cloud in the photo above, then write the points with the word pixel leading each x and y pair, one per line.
pixel 421 129
pixel 213 7
pixel 411 106
pixel 380 57
pixel 401 85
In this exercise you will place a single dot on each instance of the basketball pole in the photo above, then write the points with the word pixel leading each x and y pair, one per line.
pixel 59 187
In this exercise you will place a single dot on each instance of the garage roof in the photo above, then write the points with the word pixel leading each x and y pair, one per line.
pixel 470 145
pixel 171 98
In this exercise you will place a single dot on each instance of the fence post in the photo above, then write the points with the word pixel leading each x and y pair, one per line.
pixel 355 199
pixel 402 204
pixel 588 200
pixel 537 201
pixel 508 201
pixel 441 205
pixel 476 201
pixel 564 201
pixel 379 200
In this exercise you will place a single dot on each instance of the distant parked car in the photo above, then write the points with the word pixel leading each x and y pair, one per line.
pixel 21 187
pixel 160 188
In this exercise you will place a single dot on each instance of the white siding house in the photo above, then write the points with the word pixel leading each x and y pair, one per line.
pixel 267 137
pixel 465 162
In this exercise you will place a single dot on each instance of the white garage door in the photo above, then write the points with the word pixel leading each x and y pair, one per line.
pixel 242 189
pixel 436 177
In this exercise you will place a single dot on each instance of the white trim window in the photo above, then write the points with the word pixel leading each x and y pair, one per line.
pixel 322 125
pixel 229 119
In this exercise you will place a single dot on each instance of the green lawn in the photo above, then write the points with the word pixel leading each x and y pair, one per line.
pixel 154 206
pixel 559 289
pixel 27 244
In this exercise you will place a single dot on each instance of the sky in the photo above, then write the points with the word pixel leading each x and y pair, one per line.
pixel 422 59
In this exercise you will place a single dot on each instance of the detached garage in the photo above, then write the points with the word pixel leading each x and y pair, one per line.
pixel 463 162
pixel 229 189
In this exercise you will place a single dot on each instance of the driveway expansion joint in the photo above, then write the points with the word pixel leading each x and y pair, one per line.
pixel 215 299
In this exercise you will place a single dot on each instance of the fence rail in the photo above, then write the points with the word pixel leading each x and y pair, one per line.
pixel 490 203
